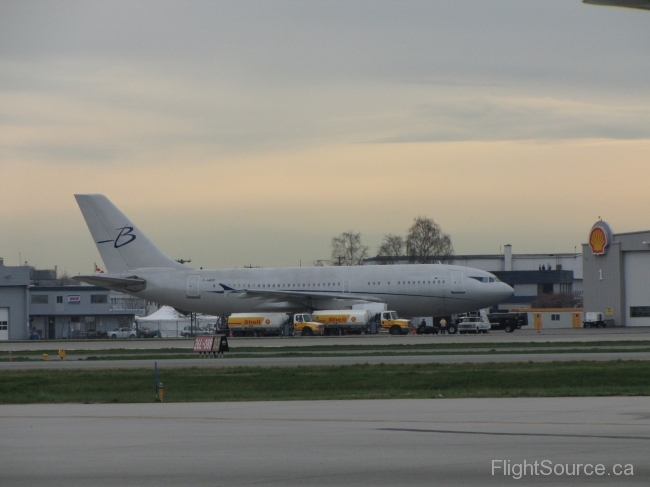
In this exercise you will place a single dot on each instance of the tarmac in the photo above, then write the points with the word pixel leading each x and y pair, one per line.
pixel 549 335
pixel 482 442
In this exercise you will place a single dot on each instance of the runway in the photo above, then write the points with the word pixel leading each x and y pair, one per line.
pixel 325 443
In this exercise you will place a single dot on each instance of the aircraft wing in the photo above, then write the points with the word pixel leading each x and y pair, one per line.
pixel 132 284
pixel 642 4
pixel 298 295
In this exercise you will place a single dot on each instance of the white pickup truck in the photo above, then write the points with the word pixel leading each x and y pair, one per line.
pixel 473 324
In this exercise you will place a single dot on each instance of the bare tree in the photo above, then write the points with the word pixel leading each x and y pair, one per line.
pixel 391 249
pixel 426 243
pixel 348 250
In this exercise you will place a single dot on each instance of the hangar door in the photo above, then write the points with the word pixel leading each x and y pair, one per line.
pixel 637 288
pixel 4 324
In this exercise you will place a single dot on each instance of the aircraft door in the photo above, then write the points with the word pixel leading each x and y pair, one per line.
pixel 193 290
pixel 457 284
pixel 346 286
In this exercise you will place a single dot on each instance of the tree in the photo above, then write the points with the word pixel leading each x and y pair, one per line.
pixel 426 243
pixel 348 250
pixel 391 249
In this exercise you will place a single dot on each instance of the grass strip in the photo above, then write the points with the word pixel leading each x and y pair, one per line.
pixel 321 383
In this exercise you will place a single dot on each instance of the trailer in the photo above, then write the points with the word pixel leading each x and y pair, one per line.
pixel 343 321
pixel 257 324
pixel 593 320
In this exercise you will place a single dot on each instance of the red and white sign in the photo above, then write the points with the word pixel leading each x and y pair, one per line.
pixel 203 343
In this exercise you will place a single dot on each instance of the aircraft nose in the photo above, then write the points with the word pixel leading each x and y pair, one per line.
pixel 505 292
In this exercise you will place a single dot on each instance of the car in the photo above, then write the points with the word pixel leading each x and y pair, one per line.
pixel 473 324
pixel 122 333
pixel 148 333
pixel 192 331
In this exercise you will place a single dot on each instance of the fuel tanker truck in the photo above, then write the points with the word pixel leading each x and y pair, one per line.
pixel 348 321
pixel 271 324
pixel 256 324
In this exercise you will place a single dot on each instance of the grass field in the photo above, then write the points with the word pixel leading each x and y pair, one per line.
pixel 524 379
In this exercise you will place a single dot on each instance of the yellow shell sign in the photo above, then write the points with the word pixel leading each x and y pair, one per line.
pixel 600 237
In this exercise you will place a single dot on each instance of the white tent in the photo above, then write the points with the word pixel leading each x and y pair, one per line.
pixel 170 322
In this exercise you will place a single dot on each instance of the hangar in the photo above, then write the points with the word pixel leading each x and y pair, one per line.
pixel 616 275
pixel 14 302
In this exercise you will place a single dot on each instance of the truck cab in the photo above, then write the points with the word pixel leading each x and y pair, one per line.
pixel 304 324
pixel 390 322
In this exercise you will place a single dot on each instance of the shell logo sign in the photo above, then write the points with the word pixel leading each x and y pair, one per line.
pixel 600 237
pixel 267 321
pixel 353 319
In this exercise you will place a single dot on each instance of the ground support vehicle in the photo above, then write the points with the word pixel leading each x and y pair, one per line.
pixel 343 321
pixel 386 321
pixel 426 326
pixel 304 325
pixel 122 333
pixel 593 320
pixel 148 333
pixel 256 324
pixel 473 324
pixel 509 322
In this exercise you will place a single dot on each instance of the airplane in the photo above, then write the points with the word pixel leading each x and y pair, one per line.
pixel 134 265
pixel 641 4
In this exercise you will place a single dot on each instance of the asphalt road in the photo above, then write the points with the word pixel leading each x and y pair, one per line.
pixel 579 335
pixel 328 443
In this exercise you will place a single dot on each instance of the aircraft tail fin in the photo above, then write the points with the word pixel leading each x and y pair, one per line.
pixel 121 244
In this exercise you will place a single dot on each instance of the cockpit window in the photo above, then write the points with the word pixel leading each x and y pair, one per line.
pixel 480 279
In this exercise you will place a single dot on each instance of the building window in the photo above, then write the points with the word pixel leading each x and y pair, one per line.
pixel 40 299
pixel 59 299
pixel 639 311
pixel 99 298
pixel 555 317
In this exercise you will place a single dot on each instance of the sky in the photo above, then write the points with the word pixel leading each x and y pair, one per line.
pixel 252 132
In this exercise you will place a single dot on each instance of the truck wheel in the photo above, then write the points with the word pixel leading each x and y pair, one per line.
pixel 237 334
pixel 113 336
pixel 451 329
pixel 334 332
pixel 306 332
pixel 395 330
pixel 509 329
pixel 249 333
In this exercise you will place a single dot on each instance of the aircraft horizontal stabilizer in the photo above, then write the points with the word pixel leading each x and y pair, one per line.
pixel 132 284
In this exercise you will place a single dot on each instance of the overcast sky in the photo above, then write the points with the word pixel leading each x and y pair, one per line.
pixel 238 133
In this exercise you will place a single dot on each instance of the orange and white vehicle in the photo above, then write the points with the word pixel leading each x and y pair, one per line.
pixel 305 325
pixel 256 324
pixel 343 321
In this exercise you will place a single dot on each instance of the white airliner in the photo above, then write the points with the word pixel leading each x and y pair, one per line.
pixel 134 265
